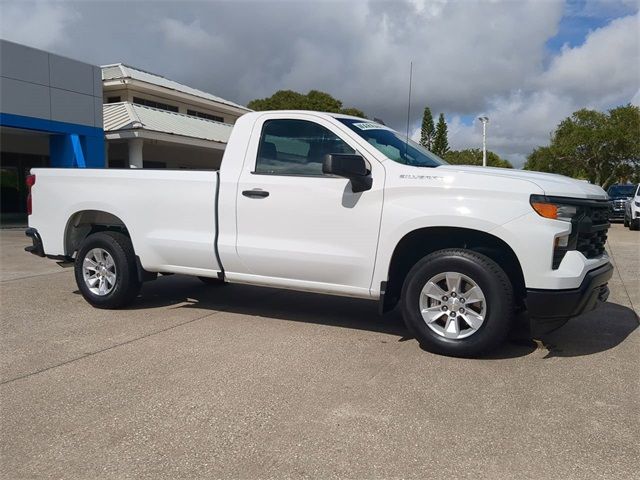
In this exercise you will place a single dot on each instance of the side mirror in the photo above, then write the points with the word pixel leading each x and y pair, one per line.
pixel 350 166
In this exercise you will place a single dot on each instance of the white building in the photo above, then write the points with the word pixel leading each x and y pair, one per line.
pixel 154 122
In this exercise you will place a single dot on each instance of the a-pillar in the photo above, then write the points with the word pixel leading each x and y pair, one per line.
pixel 135 152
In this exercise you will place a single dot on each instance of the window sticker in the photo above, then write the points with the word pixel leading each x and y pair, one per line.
pixel 370 126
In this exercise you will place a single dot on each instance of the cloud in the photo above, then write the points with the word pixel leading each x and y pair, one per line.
pixel 190 35
pixel 358 51
pixel 37 24
pixel 469 57
pixel 517 124
pixel 602 72
pixel 604 69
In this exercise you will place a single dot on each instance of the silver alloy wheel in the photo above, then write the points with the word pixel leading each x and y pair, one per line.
pixel 99 271
pixel 453 305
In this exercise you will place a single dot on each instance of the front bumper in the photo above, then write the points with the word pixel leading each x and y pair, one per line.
pixel 550 309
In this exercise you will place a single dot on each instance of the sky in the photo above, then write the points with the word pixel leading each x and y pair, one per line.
pixel 526 64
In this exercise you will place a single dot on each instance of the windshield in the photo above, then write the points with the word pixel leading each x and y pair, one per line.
pixel 393 145
pixel 621 190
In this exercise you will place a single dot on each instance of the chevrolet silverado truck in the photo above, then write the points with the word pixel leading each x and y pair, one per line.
pixel 338 205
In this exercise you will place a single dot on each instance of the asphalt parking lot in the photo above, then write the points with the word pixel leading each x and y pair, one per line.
pixel 242 382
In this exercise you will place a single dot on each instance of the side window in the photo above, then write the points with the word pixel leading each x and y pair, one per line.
pixel 296 147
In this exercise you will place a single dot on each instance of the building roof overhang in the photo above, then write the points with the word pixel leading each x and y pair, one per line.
pixel 120 74
pixel 164 137
pixel 128 120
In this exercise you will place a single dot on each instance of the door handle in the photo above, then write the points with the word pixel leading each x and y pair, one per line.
pixel 255 193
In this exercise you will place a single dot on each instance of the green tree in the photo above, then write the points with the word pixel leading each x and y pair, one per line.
pixel 473 156
pixel 322 102
pixel 353 111
pixel 546 159
pixel 428 130
pixel 313 100
pixel 281 100
pixel 603 148
pixel 440 140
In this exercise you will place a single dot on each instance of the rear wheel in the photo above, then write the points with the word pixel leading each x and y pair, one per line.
pixel 458 302
pixel 105 270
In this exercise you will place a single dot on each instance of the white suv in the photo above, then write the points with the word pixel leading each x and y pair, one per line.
pixel 632 211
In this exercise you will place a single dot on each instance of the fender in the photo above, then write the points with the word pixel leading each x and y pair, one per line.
pixel 389 242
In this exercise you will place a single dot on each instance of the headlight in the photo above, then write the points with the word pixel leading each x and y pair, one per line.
pixel 553 209
pixel 637 204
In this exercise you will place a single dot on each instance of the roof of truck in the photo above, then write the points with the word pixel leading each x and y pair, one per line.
pixel 315 112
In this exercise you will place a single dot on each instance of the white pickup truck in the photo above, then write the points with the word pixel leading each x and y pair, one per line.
pixel 338 205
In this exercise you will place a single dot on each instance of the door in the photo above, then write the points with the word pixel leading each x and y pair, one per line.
pixel 295 223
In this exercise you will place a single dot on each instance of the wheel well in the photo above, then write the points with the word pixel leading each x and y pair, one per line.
pixel 419 243
pixel 84 223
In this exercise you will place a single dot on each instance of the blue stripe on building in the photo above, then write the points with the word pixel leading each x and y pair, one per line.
pixel 70 144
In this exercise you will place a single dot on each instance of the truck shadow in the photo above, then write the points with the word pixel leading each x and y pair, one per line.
pixel 591 333
pixel 178 291
pixel 594 332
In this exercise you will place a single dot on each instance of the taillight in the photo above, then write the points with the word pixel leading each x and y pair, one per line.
pixel 31 181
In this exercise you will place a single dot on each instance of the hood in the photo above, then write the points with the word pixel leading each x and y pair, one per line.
pixel 551 183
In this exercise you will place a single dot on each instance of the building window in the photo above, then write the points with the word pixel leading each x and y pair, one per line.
pixel 113 99
pixel 151 103
pixel 195 113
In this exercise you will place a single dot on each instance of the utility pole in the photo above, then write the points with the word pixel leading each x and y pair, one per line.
pixel 484 121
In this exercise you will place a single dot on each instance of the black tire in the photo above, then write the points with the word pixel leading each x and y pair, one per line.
pixel 127 285
pixel 493 282
pixel 634 224
pixel 626 221
pixel 214 282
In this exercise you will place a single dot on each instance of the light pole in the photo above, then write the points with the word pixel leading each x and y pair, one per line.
pixel 484 121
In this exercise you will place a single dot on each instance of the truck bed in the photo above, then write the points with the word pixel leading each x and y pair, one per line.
pixel 170 214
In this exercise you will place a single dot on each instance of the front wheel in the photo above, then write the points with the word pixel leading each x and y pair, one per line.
pixel 105 270
pixel 626 221
pixel 458 302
